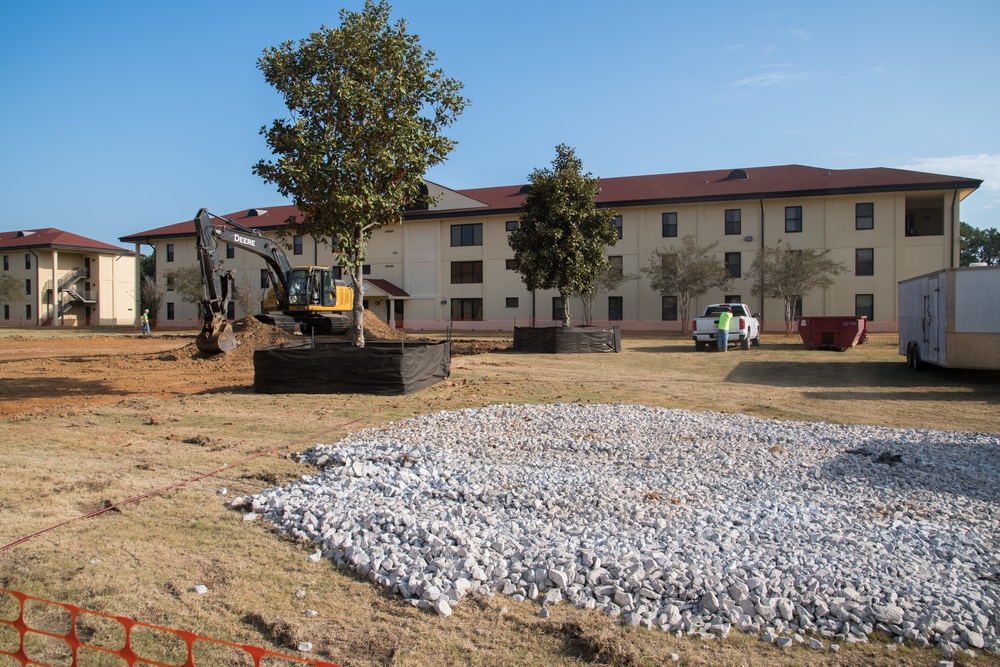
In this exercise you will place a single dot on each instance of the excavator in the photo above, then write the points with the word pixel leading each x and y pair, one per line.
pixel 307 299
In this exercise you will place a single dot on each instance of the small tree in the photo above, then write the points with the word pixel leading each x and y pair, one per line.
pixel 608 281
pixel 783 273
pixel 562 237
pixel 367 114
pixel 688 272
pixel 151 293
pixel 247 297
pixel 11 290
pixel 186 282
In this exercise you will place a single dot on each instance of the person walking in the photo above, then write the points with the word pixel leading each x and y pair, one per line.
pixel 144 320
pixel 725 315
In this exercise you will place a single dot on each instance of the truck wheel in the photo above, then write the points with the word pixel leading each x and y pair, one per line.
pixel 699 345
pixel 756 341
pixel 745 343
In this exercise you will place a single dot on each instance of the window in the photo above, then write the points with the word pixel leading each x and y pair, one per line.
pixel 27 312
pixel 864 216
pixel 617 224
pixel 338 272
pixel 466 272
pixel 734 218
pixel 797 309
pixel 6 263
pixel 27 261
pixel 616 308
pixel 734 263
pixel 230 252
pixel 864 262
pixel 27 285
pixel 6 312
pixel 366 269
pixel 864 306
pixel 471 234
pixel 668 304
pixel 265 278
pixel 511 225
pixel 733 298
pixel 669 225
pixel 510 265
pixel 793 219
pixel 231 311
pixel 512 302
pixel 467 309
pixel 170 311
pixel 558 312
pixel 170 283
pixel 297 244
pixel 170 252
pixel 616 265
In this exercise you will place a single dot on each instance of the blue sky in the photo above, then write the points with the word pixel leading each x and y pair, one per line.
pixel 118 117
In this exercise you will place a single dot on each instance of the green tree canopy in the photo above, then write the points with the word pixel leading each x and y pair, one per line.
pixel 11 290
pixel 186 282
pixel 979 245
pixel 783 273
pixel 688 272
pixel 608 280
pixel 562 237
pixel 367 109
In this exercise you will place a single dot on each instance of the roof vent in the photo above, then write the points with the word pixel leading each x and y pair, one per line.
pixel 737 175
pixel 256 212
pixel 525 189
pixel 23 234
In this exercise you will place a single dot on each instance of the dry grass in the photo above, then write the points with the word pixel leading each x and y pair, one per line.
pixel 143 560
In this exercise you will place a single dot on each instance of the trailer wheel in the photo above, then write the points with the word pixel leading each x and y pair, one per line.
pixel 913 358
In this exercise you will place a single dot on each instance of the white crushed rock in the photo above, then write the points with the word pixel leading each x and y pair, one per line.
pixel 691 522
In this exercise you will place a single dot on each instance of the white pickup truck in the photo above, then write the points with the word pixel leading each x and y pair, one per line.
pixel 744 328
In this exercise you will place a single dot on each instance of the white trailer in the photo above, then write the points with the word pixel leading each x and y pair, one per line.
pixel 951 318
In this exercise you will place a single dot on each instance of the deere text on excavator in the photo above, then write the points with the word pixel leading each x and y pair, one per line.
pixel 308 299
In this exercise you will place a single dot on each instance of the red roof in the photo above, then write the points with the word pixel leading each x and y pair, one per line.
pixel 717 185
pixel 54 238
pixel 386 286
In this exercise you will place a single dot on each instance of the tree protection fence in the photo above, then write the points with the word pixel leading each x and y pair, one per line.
pixel 39 632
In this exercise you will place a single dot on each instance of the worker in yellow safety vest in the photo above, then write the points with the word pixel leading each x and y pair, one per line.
pixel 725 315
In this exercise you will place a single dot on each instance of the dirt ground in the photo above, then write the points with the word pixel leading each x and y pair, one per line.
pixel 149 432
pixel 40 372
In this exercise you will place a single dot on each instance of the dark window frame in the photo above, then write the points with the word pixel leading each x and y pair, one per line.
pixel 170 310
pixel 467 273
pixel 616 308
pixel 510 265
pixel 27 286
pixel 864 215
pixel 734 221
pixel 619 226
pixel 512 225
pixel 297 245
pixel 170 252
pixel 793 219
pixel 864 261
pixel 668 225
pixel 462 307
pixel 867 310
pixel 668 308
pixel 230 251
pixel 617 263
pixel 512 302
pixel 558 308
pixel 27 260
pixel 467 234
pixel 735 268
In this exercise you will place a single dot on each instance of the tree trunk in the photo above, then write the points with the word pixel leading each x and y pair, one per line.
pixel 566 315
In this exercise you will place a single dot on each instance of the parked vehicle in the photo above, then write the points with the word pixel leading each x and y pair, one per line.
pixel 744 328
pixel 950 318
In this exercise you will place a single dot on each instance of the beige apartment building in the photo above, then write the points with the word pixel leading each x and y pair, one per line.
pixel 450 264
pixel 67 279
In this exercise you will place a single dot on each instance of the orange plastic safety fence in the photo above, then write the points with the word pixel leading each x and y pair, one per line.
pixel 127 653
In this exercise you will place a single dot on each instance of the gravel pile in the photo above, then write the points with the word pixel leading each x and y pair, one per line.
pixel 689 522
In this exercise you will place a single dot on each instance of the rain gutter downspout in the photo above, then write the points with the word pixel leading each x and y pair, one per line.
pixel 762 250
pixel 951 248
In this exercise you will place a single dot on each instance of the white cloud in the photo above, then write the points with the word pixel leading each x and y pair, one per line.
pixel 775 79
pixel 984 166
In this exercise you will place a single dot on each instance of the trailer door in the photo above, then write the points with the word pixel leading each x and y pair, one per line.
pixel 934 321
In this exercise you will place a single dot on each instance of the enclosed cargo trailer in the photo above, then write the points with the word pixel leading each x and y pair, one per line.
pixel 951 318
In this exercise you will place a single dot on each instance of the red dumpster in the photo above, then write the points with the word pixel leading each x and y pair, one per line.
pixel 832 332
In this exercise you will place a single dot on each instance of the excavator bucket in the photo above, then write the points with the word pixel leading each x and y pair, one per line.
pixel 217 337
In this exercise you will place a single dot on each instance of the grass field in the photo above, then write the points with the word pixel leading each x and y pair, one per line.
pixel 99 445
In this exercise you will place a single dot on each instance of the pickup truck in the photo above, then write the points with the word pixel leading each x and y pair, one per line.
pixel 744 328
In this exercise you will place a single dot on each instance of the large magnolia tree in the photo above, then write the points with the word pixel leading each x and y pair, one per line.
pixel 562 237
pixel 367 110
pixel 687 272
pixel 783 273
